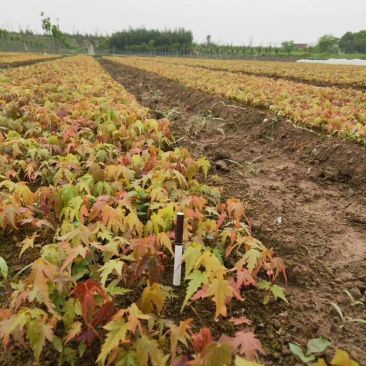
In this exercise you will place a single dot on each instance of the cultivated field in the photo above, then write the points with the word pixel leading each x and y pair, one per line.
pixel 347 76
pixel 10 59
pixel 269 173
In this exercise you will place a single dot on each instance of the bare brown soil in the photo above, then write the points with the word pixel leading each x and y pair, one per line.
pixel 305 196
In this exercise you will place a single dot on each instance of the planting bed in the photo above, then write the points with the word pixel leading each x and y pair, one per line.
pixel 90 188
pixel 91 182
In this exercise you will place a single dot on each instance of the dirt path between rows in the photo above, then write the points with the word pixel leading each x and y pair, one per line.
pixel 305 196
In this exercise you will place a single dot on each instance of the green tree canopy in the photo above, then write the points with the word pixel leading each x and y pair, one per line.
pixel 328 44
pixel 353 42
pixel 151 38
pixel 288 46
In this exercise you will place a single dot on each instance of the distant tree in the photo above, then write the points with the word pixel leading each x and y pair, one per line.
pixel 56 34
pixel 288 46
pixel 328 44
pixel 353 42
pixel 46 23
pixel 4 33
pixel 208 39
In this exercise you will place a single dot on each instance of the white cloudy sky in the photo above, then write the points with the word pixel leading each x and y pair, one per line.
pixel 228 21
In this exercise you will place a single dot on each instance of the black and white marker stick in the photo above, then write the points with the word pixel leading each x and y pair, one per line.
pixel 178 249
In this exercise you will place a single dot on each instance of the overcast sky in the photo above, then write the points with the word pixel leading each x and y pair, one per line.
pixel 227 21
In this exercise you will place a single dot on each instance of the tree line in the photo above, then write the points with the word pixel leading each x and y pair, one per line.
pixel 142 39
pixel 180 40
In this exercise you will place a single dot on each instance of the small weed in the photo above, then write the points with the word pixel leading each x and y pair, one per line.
pixel 206 116
pixel 353 301
pixel 346 319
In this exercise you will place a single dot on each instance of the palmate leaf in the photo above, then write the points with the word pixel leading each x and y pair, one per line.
pixel 222 294
pixel 191 255
pixel 236 210
pixel 86 293
pixel 164 240
pixel 148 349
pixel 244 277
pixel 108 268
pixel 27 243
pixel 117 332
pixel 247 345
pixel 205 165
pixel 151 263
pixel 37 334
pixel 197 279
pixel 9 216
pixel 212 265
pixel 39 281
pixel 126 358
pixel 202 340
pixel 277 266
pixel 134 223
pixel 38 329
pixel 74 330
pixel 252 257
pixel 152 297
pixel 179 334
pixel 279 292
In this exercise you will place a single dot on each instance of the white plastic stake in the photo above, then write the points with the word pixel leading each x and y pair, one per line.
pixel 178 250
pixel 177 265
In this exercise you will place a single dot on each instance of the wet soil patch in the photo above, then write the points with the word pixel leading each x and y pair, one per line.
pixel 305 196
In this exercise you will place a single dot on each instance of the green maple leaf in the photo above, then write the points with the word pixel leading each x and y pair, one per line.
pixel 197 278
pixel 252 257
pixel 152 296
pixel 191 255
pixel 117 331
pixel 205 165
pixel 127 358
pixel 212 264
pixel 149 349
pixel 278 292
pixel 37 334
pixel 108 268
pixel 220 289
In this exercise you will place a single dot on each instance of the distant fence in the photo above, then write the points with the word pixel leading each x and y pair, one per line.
pixel 7 45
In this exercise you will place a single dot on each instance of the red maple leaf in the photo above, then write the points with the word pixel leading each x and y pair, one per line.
pixel 247 345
